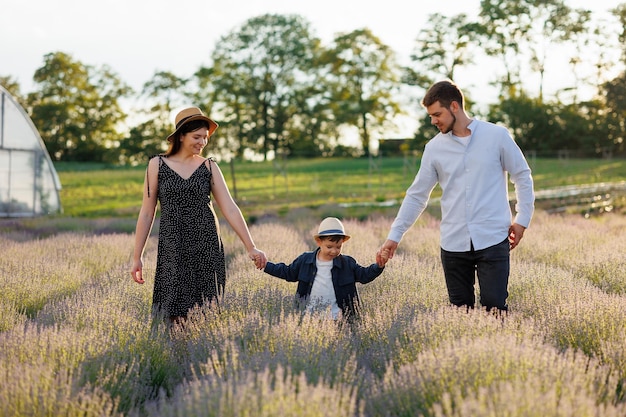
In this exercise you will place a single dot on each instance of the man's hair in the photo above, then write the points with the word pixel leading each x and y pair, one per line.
pixel 444 92
pixel 333 238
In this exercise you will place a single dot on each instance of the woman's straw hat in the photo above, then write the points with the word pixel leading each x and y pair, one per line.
pixel 331 226
pixel 189 115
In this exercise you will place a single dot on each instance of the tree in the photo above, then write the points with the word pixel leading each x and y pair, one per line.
pixel 13 87
pixel 76 109
pixel 533 124
pixel 364 78
pixel 225 86
pixel 616 112
pixel 446 43
pixel 586 128
pixel 557 24
pixel 620 12
pixel 163 93
pixel 259 72
pixel 511 28
pixel 143 141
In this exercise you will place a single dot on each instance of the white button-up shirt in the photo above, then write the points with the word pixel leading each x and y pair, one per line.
pixel 472 172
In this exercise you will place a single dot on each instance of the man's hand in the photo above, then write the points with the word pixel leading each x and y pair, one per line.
pixel 386 252
pixel 516 232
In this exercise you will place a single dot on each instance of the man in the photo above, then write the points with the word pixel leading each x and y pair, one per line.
pixel 471 160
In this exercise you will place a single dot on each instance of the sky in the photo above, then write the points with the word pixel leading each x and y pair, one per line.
pixel 136 38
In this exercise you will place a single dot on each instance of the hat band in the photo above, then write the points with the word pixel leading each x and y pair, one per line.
pixel 332 232
pixel 184 119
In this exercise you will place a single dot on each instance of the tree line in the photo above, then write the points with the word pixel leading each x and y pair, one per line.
pixel 276 89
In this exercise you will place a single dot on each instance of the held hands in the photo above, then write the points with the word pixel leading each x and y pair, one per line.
pixel 386 252
pixel 382 256
pixel 258 257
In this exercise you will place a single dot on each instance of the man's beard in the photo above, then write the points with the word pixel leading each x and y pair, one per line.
pixel 449 128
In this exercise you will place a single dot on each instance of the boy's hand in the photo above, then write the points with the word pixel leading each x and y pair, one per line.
pixel 386 252
pixel 382 257
pixel 258 257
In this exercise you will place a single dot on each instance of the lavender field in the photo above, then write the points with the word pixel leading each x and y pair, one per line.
pixel 76 336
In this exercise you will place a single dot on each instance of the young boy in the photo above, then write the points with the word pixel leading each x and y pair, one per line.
pixel 326 278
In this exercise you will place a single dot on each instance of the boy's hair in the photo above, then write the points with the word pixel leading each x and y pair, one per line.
pixel 444 92
pixel 333 238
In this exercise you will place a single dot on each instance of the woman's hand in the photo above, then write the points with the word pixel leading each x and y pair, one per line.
pixel 137 272
pixel 258 257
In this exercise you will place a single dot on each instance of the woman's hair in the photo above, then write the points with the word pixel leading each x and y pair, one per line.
pixel 444 92
pixel 184 129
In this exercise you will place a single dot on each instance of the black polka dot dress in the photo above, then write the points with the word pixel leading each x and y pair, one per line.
pixel 190 267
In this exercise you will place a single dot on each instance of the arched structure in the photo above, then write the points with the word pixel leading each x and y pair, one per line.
pixel 29 184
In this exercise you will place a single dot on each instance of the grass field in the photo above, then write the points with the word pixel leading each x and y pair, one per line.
pixel 76 337
pixel 270 188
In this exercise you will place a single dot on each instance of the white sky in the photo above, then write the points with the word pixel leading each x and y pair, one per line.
pixel 136 38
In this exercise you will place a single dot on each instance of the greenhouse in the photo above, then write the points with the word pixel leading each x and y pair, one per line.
pixel 29 184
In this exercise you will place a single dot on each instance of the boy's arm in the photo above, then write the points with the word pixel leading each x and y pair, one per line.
pixel 283 271
pixel 365 274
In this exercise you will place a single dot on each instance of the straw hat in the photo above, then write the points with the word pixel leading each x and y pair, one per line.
pixel 189 115
pixel 331 226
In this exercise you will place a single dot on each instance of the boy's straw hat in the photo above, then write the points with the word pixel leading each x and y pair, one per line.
pixel 331 226
pixel 189 115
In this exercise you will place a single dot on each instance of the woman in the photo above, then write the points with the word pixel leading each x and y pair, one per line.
pixel 190 267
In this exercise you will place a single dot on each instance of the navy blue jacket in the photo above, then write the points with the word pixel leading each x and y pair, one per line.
pixel 346 272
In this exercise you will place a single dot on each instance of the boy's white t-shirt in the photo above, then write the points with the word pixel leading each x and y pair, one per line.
pixel 323 293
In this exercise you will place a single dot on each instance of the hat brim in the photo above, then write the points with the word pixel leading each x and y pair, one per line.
pixel 345 237
pixel 212 125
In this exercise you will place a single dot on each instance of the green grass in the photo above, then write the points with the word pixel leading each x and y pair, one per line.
pixel 320 184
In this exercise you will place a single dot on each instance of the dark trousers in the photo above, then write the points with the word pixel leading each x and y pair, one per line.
pixel 491 265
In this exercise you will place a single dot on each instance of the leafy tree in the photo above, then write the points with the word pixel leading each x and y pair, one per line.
pixel 13 87
pixel 76 109
pixel 586 128
pixel 620 12
pixel 509 28
pixel 593 36
pixel 557 24
pixel 364 78
pixel 446 43
pixel 259 72
pixel 425 132
pixel 615 97
pixel 314 131
pixel 163 93
pixel 143 141
pixel 226 86
pixel 532 123
pixel 547 128
pixel 219 91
